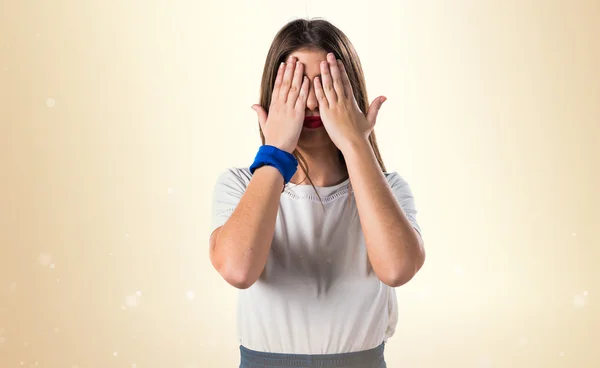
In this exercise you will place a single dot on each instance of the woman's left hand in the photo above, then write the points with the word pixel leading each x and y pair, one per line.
pixel 342 118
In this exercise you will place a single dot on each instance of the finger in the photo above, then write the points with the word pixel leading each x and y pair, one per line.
pixel 287 79
pixel 327 84
pixel 296 84
pixel 303 95
pixel 262 116
pixel 335 75
pixel 345 79
pixel 278 81
pixel 320 94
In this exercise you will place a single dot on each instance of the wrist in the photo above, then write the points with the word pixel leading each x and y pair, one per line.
pixel 360 144
pixel 282 147
pixel 271 155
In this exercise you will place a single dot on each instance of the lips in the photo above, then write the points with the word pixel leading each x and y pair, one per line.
pixel 313 122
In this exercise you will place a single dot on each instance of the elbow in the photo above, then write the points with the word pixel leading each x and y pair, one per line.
pixel 234 276
pixel 405 272
pixel 238 280
pixel 398 279
pixel 232 273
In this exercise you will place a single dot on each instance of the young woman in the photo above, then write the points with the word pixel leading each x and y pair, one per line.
pixel 315 265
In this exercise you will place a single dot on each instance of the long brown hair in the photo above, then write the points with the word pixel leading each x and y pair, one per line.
pixel 316 33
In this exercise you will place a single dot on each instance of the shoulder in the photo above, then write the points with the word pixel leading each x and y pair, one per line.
pixel 399 185
pixel 236 172
pixel 395 179
pixel 234 177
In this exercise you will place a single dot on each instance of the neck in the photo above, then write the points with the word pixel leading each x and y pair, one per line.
pixel 324 167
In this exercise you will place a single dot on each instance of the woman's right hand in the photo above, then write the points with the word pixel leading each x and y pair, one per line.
pixel 283 125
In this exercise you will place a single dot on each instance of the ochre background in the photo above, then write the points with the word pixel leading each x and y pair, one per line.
pixel 116 117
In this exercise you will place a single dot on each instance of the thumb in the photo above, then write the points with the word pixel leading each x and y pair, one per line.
pixel 262 115
pixel 374 109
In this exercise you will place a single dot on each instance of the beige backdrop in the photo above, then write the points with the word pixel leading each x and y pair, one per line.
pixel 116 117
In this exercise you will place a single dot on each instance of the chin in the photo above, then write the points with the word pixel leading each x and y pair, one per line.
pixel 314 137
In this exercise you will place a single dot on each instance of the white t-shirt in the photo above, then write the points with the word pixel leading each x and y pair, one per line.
pixel 318 293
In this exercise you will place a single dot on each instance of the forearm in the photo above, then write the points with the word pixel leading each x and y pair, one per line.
pixel 394 248
pixel 244 241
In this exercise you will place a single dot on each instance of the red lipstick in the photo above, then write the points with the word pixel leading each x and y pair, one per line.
pixel 313 122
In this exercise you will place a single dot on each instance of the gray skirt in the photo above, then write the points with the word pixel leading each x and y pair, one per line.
pixel 372 358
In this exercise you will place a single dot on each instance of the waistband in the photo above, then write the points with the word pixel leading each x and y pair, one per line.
pixel 365 358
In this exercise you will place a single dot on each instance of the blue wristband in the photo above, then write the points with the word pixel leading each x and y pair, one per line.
pixel 284 161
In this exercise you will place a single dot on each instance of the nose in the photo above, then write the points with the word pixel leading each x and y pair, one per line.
pixel 311 102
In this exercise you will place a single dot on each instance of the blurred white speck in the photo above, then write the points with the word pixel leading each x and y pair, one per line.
pixel 44 259
pixel 562 353
pixel 50 102
pixel 13 286
pixel 190 295
pixel 459 270
pixel 2 339
pixel 57 279
pixel 56 330
pixel 5 69
pixel 585 293
pixel 132 301
pixel 122 307
pixel 579 301
pixel 110 254
pixel 523 341
pixel 37 35
pixel 170 190
pixel 115 353
pixel 138 293
pixel 574 234
pixel 26 344
pixel 127 235
pixel 133 365
pixel 22 362
pixel 36 363
pixel 52 265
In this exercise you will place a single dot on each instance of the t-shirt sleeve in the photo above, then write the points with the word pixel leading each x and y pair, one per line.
pixel 405 198
pixel 227 192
